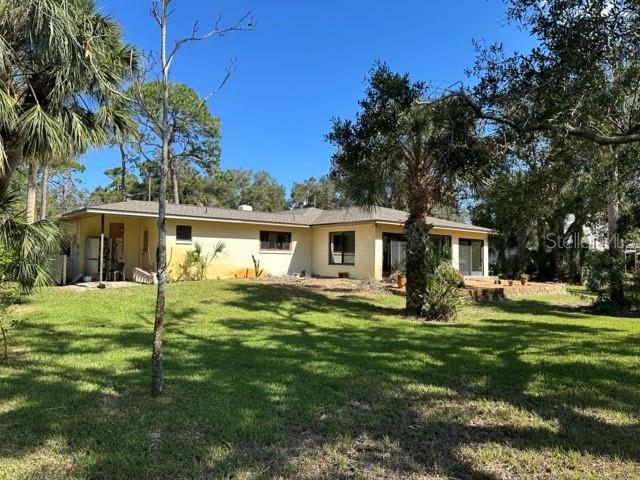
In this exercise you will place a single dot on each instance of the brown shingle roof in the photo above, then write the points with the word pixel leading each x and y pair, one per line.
pixel 305 217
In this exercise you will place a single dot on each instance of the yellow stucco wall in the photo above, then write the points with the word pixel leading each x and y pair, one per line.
pixel 242 240
pixel 309 252
pixel 365 257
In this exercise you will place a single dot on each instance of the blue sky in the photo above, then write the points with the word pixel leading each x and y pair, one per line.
pixel 305 63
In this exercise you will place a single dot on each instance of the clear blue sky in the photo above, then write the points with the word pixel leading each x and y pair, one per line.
pixel 305 63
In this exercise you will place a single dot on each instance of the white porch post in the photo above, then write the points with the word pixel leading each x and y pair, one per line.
pixel 485 256
pixel 455 252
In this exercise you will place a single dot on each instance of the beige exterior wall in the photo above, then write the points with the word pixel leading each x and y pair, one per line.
pixel 242 240
pixel 309 251
pixel 365 257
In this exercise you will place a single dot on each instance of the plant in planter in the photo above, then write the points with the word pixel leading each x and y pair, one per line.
pixel 401 278
pixel 510 283
pixel 524 278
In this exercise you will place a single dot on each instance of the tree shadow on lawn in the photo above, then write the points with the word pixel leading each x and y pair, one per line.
pixel 261 395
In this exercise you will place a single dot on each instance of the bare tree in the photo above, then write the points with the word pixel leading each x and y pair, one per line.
pixel 161 10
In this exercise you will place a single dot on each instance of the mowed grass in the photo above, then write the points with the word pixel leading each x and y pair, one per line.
pixel 273 381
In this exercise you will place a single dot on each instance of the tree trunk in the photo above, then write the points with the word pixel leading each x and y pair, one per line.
pixel 417 232
pixel 613 207
pixel 13 161
pixel 5 349
pixel 123 172
pixel 32 188
pixel 44 192
pixel 174 182
pixel 612 222
pixel 158 327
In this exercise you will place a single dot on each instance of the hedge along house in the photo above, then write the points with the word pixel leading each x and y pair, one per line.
pixel 327 243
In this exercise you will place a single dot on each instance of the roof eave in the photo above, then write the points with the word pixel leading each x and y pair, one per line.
pixel 104 211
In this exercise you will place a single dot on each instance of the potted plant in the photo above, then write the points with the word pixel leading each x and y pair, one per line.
pixel 401 278
pixel 510 283
pixel 523 279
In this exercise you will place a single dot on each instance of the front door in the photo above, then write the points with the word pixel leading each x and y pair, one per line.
pixel 393 252
pixel 471 262
pixel 116 245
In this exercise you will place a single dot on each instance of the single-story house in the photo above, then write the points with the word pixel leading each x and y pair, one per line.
pixel 361 243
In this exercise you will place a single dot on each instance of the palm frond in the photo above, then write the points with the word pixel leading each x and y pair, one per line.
pixel 32 246
pixel 41 133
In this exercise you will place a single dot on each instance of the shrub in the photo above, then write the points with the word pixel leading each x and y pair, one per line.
pixel 195 263
pixel 632 294
pixel 443 300
pixel 604 276
pixel 257 270
pixel 9 294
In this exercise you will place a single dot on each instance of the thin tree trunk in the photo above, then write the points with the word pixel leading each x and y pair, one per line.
pixel 123 172
pixel 32 188
pixel 613 207
pixel 417 232
pixel 158 327
pixel 5 349
pixel 174 182
pixel 13 161
pixel 44 192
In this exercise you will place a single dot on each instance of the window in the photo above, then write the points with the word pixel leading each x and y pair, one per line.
pixel 342 248
pixel 275 240
pixel 183 233
pixel 145 241
pixel 441 243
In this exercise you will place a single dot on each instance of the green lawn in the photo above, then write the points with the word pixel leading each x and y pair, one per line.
pixel 266 381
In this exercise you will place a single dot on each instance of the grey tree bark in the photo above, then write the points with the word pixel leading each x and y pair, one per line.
pixel 613 207
pixel 158 327
pixel 32 188
pixel 44 192
pixel 123 172
pixel 13 161
pixel 174 181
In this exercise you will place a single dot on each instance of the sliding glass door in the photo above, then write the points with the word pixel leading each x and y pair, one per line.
pixel 393 252
pixel 394 246
pixel 471 261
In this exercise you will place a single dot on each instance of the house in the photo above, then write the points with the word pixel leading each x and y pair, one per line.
pixel 355 241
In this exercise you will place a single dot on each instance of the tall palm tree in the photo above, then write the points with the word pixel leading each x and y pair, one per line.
pixel 61 64
pixel 421 149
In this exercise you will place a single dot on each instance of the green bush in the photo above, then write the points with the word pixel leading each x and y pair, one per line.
pixel 195 262
pixel 443 300
pixel 604 276
pixel 9 294
pixel 632 293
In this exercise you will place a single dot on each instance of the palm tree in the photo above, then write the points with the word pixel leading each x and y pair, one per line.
pixel 61 64
pixel 400 143
pixel 29 246
pixel 26 250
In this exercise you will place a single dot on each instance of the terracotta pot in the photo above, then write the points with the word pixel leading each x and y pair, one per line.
pixel 523 281
pixel 401 280
pixel 511 283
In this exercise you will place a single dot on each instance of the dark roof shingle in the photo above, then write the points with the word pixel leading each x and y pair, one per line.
pixel 304 217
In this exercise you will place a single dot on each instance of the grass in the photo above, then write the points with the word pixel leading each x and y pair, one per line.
pixel 268 381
